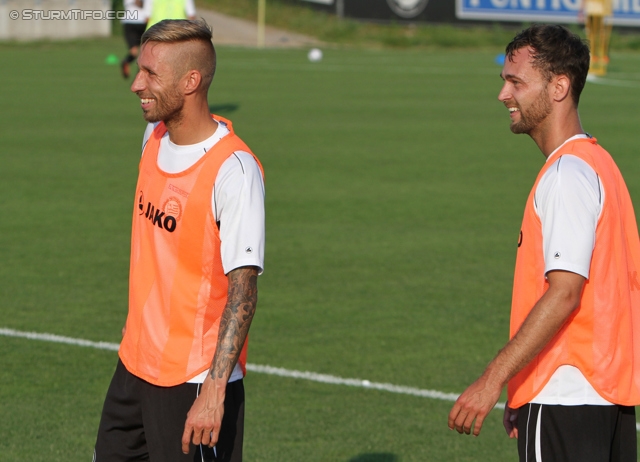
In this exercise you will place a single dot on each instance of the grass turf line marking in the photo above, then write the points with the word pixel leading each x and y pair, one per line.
pixel 269 370
pixel 613 82
pixel 59 339
pixel 332 379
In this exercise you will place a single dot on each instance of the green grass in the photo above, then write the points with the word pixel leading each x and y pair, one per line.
pixel 394 198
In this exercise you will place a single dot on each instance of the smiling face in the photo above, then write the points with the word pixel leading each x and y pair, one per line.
pixel 525 93
pixel 157 84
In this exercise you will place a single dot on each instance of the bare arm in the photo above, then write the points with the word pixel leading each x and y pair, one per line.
pixel 543 322
pixel 205 417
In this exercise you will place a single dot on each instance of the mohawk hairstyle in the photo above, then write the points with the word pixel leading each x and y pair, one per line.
pixel 184 31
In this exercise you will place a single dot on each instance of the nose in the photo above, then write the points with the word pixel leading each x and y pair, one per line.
pixel 138 83
pixel 504 94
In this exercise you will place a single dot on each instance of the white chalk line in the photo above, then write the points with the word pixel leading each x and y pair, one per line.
pixel 278 371
pixel 331 379
pixel 613 82
pixel 59 339
pixel 260 369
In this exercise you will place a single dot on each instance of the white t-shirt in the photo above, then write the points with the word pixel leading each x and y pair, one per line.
pixel 568 200
pixel 135 14
pixel 237 203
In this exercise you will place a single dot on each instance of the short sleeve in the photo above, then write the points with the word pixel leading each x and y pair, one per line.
pixel 569 200
pixel 189 8
pixel 238 205
pixel 147 133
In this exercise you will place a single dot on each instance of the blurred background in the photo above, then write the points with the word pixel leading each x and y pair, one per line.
pixel 395 193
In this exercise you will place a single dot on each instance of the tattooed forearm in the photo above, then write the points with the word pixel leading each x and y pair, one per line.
pixel 242 297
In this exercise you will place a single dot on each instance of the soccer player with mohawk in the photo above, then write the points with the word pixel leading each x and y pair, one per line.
pixel 197 248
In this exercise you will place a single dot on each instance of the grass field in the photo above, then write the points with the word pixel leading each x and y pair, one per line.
pixel 394 198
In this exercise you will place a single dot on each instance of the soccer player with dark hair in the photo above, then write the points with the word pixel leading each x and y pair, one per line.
pixel 572 363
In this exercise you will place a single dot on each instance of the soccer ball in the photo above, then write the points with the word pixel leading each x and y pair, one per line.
pixel 315 55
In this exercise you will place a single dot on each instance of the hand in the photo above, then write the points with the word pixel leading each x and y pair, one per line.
pixel 474 404
pixel 205 416
pixel 510 421
pixel 124 330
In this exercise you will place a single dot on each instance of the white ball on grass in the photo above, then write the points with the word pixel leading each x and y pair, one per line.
pixel 315 55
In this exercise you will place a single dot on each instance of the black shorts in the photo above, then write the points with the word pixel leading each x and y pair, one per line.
pixel 133 33
pixel 141 421
pixel 576 433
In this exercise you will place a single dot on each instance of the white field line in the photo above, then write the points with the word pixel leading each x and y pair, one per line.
pixel 312 376
pixel 59 339
pixel 613 82
pixel 332 379
pixel 269 370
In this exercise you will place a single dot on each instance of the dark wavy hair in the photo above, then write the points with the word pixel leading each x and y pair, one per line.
pixel 556 51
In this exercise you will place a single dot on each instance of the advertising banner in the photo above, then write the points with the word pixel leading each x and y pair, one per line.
pixel 625 12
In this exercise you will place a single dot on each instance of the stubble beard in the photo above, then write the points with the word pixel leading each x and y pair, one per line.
pixel 168 108
pixel 538 111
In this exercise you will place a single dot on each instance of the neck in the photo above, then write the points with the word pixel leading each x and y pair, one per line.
pixel 194 125
pixel 556 129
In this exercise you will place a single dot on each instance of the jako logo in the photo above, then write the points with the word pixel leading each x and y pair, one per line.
pixel 157 216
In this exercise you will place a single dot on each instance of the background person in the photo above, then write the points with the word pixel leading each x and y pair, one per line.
pixel 197 249
pixel 170 9
pixel 573 359
pixel 133 26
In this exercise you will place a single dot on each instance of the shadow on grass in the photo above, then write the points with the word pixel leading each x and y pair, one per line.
pixel 375 457
pixel 223 109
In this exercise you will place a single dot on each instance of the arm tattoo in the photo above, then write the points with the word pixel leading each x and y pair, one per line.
pixel 242 297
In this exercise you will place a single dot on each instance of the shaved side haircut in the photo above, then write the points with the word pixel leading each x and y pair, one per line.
pixel 197 51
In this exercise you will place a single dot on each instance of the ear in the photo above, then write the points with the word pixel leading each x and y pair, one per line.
pixel 192 81
pixel 561 87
